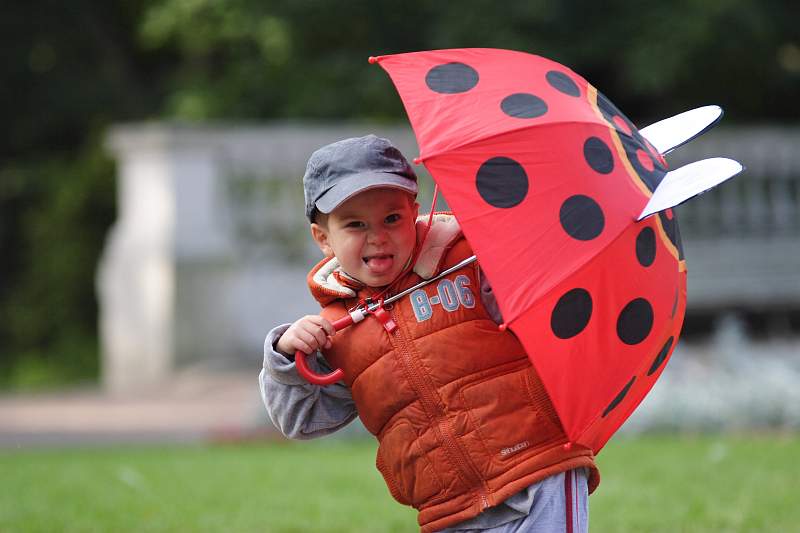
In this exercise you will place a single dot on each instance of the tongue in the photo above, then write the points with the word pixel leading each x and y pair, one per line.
pixel 379 264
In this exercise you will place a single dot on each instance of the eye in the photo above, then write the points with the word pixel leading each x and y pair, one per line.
pixel 355 224
pixel 394 217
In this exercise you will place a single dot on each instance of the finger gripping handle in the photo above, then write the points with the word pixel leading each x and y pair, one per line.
pixel 321 379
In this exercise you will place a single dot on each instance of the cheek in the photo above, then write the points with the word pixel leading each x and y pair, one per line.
pixel 351 247
pixel 408 239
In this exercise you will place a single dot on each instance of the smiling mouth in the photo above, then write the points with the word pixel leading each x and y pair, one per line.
pixel 378 257
pixel 379 263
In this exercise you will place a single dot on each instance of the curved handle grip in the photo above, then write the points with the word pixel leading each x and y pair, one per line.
pixel 321 379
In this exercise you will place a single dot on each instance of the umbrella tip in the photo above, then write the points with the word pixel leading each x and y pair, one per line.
pixel 568 446
pixel 372 60
pixel 417 160
pixel 502 327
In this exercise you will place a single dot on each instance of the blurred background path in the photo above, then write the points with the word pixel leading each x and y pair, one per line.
pixel 194 406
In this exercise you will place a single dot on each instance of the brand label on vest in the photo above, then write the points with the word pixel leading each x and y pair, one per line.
pixel 450 294
pixel 515 448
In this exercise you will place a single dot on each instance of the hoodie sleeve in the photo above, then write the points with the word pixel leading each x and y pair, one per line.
pixel 488 299
pixel 301 410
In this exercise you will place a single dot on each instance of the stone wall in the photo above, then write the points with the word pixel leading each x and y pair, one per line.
pixel 211 247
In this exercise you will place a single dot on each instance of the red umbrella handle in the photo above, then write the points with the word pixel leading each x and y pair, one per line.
pixel 323 379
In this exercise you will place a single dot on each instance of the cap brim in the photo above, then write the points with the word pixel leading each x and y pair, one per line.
pixel 347 188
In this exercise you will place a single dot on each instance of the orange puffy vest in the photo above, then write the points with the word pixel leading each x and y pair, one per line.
pixel 462 419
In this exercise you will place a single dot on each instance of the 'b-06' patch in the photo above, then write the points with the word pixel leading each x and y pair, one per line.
pixel 450 294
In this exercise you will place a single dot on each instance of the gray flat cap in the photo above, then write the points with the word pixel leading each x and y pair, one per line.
pixel 339 171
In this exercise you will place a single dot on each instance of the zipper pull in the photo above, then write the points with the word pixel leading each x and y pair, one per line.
pixel 385 318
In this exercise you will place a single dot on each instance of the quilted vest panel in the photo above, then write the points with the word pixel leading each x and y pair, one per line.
pixel 461 417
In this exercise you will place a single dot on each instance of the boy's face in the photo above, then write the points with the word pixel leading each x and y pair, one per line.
pixel 372 234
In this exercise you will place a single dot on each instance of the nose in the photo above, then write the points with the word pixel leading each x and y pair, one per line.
pixel 378 236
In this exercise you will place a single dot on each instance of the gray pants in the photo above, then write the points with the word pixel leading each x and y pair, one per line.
pixel 560 504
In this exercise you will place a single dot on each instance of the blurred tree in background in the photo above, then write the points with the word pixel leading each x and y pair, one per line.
pixel 254 59
pixel 70 69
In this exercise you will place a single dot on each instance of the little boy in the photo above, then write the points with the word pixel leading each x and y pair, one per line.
pixel 466 432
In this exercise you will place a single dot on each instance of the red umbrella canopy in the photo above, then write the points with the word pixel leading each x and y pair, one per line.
pixel 547 178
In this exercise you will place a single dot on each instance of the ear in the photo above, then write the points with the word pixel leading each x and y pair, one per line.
pixel 320 236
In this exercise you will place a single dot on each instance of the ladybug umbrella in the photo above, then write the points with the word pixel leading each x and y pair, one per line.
pixel 552 186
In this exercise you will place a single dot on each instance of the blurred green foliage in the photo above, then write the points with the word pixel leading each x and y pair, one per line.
pixel 55 212
pixel 70 69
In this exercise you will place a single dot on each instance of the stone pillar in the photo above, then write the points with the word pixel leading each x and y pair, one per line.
pixel 136 278
pixel 210 248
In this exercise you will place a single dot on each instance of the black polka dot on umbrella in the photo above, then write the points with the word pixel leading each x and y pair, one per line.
pixel 661 357
pixel 646 246
pixel 598 155
pixel 523 105
pixel 502 182
pixel 563 83
pixel 571 313
pixel 635 321
pixel 581 217
pixel 619 397
pixel 451 78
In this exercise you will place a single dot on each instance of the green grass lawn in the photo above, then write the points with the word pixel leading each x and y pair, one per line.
pixel 666 483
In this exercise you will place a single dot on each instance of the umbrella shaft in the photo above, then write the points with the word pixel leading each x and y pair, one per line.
pixel 453 268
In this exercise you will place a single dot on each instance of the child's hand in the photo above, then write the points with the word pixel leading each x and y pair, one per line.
pixel 310 333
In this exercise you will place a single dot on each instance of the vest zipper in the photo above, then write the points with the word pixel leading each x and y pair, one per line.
pixel 436 414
